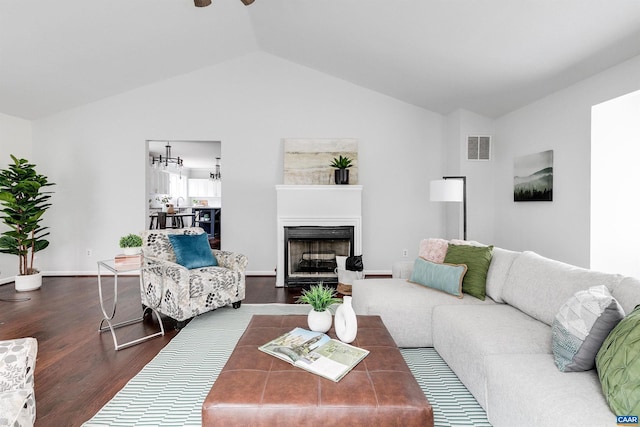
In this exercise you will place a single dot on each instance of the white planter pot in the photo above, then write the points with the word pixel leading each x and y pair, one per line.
pixel 319 321
pixel 29 282
pixel 132 251
pixel 346 322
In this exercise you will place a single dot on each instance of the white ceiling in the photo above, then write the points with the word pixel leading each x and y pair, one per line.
pixel 488 56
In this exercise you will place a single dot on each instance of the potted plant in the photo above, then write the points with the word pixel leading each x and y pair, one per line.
pixel 342 165
pixel 131 244
pixel 320 298
pixel 24 202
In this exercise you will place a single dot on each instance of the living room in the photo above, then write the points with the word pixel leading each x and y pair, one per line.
pixel 255 99
pixel 254 95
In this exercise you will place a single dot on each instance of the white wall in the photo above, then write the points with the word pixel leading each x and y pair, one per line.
pixel 15 138
pixel 96 154
pixel 480 182
pixel 615 229
pixel 560 122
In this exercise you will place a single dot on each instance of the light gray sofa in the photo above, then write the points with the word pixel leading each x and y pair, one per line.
pixel 501 348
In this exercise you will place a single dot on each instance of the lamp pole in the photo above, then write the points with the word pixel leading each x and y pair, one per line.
pixel 464 202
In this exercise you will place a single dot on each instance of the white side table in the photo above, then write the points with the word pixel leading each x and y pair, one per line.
pixel 108 318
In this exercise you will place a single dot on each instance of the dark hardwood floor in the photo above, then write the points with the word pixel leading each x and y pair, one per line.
pixel 77 368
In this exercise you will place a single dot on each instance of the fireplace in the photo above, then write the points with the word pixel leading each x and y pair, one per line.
pixel 303 209
pixel 310 253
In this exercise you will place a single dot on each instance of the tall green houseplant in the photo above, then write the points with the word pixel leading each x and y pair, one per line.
pixel 24 202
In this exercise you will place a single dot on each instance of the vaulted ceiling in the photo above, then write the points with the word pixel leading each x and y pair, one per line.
pixel 487 56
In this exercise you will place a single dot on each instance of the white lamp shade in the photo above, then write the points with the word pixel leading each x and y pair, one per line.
pixel 446 190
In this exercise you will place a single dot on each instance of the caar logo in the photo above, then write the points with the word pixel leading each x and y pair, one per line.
pixel 627 420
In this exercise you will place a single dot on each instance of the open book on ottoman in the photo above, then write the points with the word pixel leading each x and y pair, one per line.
pixel 315 352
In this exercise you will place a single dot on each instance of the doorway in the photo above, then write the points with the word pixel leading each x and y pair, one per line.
pixel 184 186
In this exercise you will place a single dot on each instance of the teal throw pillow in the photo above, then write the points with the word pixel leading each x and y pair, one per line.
pixel 477 259
pixel 443 277
pixel 192 250
pixel 618 365
pixel 581 326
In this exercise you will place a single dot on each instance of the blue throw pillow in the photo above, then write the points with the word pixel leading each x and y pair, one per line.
pixel 192 250
pixel 443 277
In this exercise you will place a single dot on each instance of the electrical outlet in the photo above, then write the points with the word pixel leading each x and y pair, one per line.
pixel 405 253
pixel 89 252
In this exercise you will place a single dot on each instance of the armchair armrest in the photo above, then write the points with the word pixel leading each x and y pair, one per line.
pixel 160 276
pixel 231 260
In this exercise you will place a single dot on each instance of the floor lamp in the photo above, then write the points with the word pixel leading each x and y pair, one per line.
pixel 451 189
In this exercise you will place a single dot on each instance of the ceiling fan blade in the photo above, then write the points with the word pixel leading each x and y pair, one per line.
pixel 202 3
pixel 247 2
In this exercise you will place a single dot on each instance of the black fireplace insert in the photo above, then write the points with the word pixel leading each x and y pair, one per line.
pixel 310 253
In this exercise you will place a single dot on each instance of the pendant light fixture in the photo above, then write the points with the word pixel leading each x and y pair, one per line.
pixel 216 176
pixel 167 160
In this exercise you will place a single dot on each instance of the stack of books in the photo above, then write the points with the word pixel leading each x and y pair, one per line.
pixel 128 262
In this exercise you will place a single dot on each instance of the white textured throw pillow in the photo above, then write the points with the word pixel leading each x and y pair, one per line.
pixel 433 249
pixel 581 326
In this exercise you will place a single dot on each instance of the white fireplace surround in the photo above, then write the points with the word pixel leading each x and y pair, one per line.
pixel 317 205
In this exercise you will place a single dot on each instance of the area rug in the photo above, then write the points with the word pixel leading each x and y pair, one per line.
pixel 170 389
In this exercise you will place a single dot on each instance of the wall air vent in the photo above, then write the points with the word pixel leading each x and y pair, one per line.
pixel 478 147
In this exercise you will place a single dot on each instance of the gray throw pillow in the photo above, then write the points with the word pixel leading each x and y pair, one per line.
pixel 581 326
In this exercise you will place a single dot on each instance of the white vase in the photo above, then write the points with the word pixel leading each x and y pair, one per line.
pixel 28 282
pixel 346 322
pixel 319 321
pixel 132 251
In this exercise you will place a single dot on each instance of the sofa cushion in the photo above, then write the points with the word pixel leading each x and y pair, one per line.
pixel 501 261
pixel 443 277
pixel 581 326
pixel 618 363
pixel 465 335
pixel 527 390
pixel 192 251
pixel 433 249
pixel 405 308
pixel 477 259
pixel 539 286
pixel 627 293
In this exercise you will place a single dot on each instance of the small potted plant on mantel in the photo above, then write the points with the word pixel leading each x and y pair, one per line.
pixel 131 244
pixel 320 298
pixel 342 165
pixel 24 202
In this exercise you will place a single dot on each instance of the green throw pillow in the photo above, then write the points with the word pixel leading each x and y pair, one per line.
pixel 477 259
pixel 618 365
pixel 192 250
pixel 443 277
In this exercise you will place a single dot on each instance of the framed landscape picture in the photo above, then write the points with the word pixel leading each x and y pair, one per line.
pixel 533 177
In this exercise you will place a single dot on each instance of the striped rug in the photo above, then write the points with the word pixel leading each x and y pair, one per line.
pixel 170 389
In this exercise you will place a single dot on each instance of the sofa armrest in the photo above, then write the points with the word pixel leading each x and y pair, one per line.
pixel 231 260
pixel 402 269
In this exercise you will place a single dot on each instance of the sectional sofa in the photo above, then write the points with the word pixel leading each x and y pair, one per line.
pixel 501 348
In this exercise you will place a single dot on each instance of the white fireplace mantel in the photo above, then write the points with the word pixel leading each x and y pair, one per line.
pixel 319 205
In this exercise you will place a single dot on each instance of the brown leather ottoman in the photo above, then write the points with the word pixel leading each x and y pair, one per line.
pixel 256 389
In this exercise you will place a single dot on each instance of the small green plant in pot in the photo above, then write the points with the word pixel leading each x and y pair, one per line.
pixel 342 165
pixel 131 244
pixel 320 298
pixel 24 202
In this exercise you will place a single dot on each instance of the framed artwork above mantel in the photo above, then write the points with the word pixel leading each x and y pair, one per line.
pixel 307 160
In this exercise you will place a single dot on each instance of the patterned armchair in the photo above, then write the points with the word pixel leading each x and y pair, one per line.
pixel 17 399
pixel 180 293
